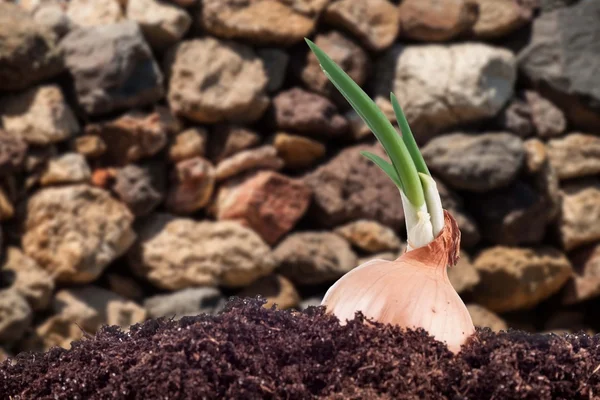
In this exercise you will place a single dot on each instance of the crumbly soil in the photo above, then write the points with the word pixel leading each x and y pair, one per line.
pixel 250 352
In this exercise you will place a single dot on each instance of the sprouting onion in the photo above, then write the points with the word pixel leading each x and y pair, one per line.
pixel 412 291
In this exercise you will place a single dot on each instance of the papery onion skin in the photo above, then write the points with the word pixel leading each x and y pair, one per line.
pixel 412 291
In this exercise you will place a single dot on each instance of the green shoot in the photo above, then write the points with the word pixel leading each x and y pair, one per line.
pixel 385 167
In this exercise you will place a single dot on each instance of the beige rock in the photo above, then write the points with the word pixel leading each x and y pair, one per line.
pixel 264 157
pixel 578 223
pixel 6 208
pixel 192 185
pixel 124 314
pixel 375 24
pixel 463 276
pixel 500 17
pixel 93 12
pixel 163 24
pixel 74 232
pixel 67 168
pixel 185 302
pixel 483 317
pixel 229 86
pixel 370 236
pixel 15 316
pixel 298 151
pixel 548 119
pixel 519 278
pixel 39 115
pixel 190 143
pixel 55 332
pixel 575 155
pixel 176 253
pixel 90 146
pixel 276 289
pixel 586 281
pixel 536 155
pixel 227 140
pixel 54 17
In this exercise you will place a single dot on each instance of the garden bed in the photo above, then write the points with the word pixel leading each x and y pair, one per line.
pixel 250 352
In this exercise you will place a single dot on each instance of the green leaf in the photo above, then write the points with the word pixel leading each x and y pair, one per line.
pixel 385 167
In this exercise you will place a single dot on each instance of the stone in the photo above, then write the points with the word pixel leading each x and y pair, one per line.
pixel 104 178
pixel 536 155
pixel 499 18
pixel 28 51
pixel 575 155
pixel 125 287
pixel 212 81
pixel 375 24
pixel 92 13
pixel 519 278
pixel 369 236
pixel 276 289
pixel 551 5
pixel 176 253
pixel 90 146
pixel 13 152
pixel 482 317
pixel 585 284
pixel 580 213
pixel 440 87
pixel 131 137
pixel 140 189
pixel 15 316
pixel 264 157
pixel 548 119
pixel 3 355
pixel 67 168
pixel 346 53
pixel 309 258
pixel 436 21
pixel 74 232
pixel 349 187
pixel 457 159
pixel 191 186
pixel 297 151
pixel 267 202
pixel 227 140
pixel 275 62
pixel 470 233
pixel 190 143
pixel 463 276
pixel 163 24
pixel 185 302
pixel 53 17
pixel 7 210
pixel 39 116
pixel 261 22
pixel 122 74
pixel 516 118
pixel 308 113
pixel 358 128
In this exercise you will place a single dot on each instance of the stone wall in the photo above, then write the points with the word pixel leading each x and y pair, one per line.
pixel 159 156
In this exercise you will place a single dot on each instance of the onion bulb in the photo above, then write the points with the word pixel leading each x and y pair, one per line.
pixel 412 291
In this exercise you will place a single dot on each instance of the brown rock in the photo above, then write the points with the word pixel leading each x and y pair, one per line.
pixel 91 13
pixel 163 24
pixel 275 62
pixel 276 289
pixel 15 316
pixel 39 116
pixel 580 213
pixel 500 17
pixel 12 153
pixel 125 287
pixel 575 155
pixel 229 86
pixel 192 185
pixel 104 177
pixel 267 202
pixel 463 276
pixel 67 168
pixel 585 284
pixel 298 151
pixel 548 119
pixel 375 24
pixel 139 187
pixel 264 157
pixel 227 140
pixel 519 278
pixel 7 210
pixel 483 317
pixel 90 146
pixel 369 236
pixel 434 20
pixel 536 155
pixel 516 118
pixel 190 143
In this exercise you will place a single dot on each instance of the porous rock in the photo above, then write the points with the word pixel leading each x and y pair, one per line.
pixel 66 168
pixel 298 151
pixel 575 155
pixel 53 17
pixel 139 187
pixel 192 183
pixel 516 118
pixel 370 236
pixel 13 152
pixel 185 302
pixel 176 253
pixel 580 213
pixel 227 140
pixel 548 119
pixel 74 232
pixel 92 13
pixel 15 316
pixel 498 18
pixel 264 157
pixel 585 284
pixel 90 146
pixel 189 143
pixel 276 289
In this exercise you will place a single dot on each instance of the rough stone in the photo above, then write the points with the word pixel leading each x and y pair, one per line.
pixel 139 188
pixel 122 74
pixel 261 21
pixel 483 317
pixel 516 118
pixel 264 157
pixel 90 146
pixel 585 284
pixel 92 13
pixel 15 316
pixel 580 213
pixel 440 87
pixel 13 152
pixel 308 113
pixel 66 168
pixel 548 119
pixel 229 86
pixel 227 140
pixel 29 279
pixel 275 62
pixel 39 116
pixel 74 232
pixel 190 143
pixel 267 202
pixel 163 24
pixel 185 302
pixel 499 18
pixel 349 187
pixel 463 276
pixel 297 151
pixel 7 210
pixel 519 278
pixel 176 253
pixel 575 155
pixel 28 50
pixel 192 185
pixel 53 17
pixel 457 159
pixel 276 289
pixel 375 24
pixel 437 21
pixel 536 155
pixel 314 257
pixel 369 236
pixel 125 287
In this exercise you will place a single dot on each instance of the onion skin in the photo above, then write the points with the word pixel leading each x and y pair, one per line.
pixel 412 291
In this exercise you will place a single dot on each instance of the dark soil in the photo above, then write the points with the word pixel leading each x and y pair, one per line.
pixel 250 352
